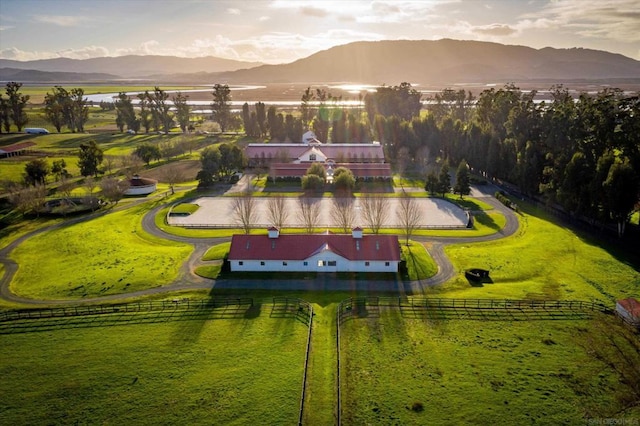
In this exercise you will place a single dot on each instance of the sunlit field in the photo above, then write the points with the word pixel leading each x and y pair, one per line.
pixel 155 369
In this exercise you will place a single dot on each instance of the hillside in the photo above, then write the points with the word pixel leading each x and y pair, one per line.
pixel 441 62
pixel 131 66
pixel 13 74
pixel 444 61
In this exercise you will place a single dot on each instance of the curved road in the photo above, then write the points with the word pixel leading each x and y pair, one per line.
pixel 188 280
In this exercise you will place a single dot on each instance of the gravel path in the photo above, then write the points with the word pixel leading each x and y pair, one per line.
pixel 188 280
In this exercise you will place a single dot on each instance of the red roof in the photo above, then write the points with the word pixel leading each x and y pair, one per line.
pixel 16 147
pixel 300 247
pixel 358 169
pixel 349 152
pixel 631 305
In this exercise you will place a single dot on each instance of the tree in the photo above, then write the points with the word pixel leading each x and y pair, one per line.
pixel 244 210
pixel 210 161
pixel 306 110
pixel 277 210
pixel 309 213
pixel 17 103
pixel 125 114
pixel 409 215
pixel 78 111
pixel 444 180
pixel 145 112
pixel 463 183
pixel 182 110
pixel 312 183
pixel 113 189
pixel 172 175
pixel 375 211
pixel 343 180
pixel 89 159
pixel 318 170
pixel 160 109
pixel 431 184
pixel 131 165
pixel 148 152
pixel 5 122
pixel 622 192
pixel 54 105
pixel 343 213
pixel 36 172
pixel 231 159
pixel 59 169
pixel 221 106
pixel 402 101
pixel 28 199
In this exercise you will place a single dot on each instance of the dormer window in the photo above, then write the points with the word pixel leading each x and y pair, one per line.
pixel 312 157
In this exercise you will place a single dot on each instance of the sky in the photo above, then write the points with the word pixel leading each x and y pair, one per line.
pixel 281 31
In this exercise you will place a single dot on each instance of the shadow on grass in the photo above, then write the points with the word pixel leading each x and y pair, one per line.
pixel 486 220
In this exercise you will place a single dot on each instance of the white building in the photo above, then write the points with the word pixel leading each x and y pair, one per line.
pixel 314 252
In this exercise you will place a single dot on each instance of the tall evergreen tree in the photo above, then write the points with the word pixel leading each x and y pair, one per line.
pixel 463 184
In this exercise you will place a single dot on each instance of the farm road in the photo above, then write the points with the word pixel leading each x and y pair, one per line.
pixel 188 280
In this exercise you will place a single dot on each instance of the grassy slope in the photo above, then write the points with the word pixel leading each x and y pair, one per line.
pixel 472 372
pixel 108 255
pixel 543 260
pixel 239 371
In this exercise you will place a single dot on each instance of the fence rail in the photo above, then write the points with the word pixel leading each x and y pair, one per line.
pixel 175 304
pixel 370 306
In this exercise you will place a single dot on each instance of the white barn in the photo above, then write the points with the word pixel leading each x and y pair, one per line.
pixel 314 252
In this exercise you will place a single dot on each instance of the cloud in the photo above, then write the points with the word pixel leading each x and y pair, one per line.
pixel 314 11
pixel 84 52
pixel 233 11
pixel 495 30
pixel 61 20
pixel 618 21
pixel 16 54
pixel 5 27
pixel 264 18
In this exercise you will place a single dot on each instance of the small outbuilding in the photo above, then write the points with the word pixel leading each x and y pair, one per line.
pixel 141 186
pixel 629 310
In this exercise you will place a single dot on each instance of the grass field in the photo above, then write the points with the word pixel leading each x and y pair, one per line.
pixel 239 371
pixel 107 255
pixel 405 371
pixel 543 260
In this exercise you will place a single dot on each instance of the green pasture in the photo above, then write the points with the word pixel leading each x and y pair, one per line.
pixel 544 260
pixel 217 252
pixel 155 369
pixel 37 93
pixel 420 265
pixel 399 370
pixel 107 255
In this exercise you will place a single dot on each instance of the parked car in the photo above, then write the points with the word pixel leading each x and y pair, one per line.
pixel 36 131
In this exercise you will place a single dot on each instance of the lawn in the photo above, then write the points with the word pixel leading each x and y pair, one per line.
pixel 156 370
pixel 107 255
pixel 398 370
pixel 543 260
pixel 420 265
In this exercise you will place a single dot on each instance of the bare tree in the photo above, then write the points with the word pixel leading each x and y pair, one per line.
pixel 309 212
pixel 244 211
pixel 343 213
pixel 113 189
pixel 375 211
pixel 28 199
pixel 277 210
pixel 131 165
pixel 172 175
pixel 109 163
pixel 66 187
pixel 409 215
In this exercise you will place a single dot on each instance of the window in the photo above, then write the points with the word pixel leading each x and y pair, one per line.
pixel 366 263
pixel 284 263
pixel 320 262
pixel 386 263
pixel 305 263
pixel 262 263
pixel 241 263
pixel 312 157
pixel 332 263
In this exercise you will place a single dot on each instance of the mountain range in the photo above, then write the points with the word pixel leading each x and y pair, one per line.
pixel 443 61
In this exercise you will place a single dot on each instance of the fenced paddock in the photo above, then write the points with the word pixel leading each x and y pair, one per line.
pixel 401 361
pixel 167 361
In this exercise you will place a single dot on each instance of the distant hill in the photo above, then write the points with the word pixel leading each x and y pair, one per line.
pixel 27 76
pixel 132 66
pixel 443 61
